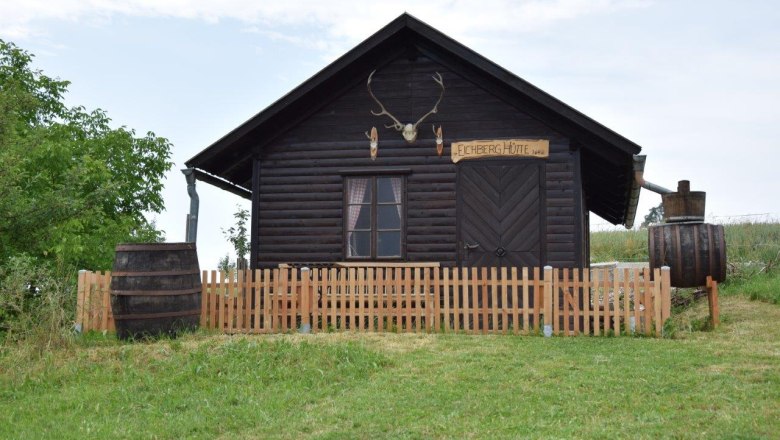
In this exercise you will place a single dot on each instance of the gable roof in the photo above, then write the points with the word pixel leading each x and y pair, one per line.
pixel 609 156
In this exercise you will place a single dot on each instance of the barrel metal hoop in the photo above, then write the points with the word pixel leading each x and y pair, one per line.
pixel 156 292
pixel 158 273
pixel 157 315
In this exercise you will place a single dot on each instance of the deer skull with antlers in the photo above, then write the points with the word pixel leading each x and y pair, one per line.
pixel 408 131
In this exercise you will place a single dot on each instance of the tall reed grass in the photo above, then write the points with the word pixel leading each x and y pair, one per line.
pixel 750 247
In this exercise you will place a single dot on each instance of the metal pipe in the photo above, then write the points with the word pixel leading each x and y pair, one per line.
pixel 192 218
pixel 639 170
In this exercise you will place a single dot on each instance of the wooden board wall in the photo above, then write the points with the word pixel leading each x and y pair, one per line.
pixel 299 206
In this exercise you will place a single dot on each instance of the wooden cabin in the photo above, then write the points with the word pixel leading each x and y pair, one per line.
pixel 521 196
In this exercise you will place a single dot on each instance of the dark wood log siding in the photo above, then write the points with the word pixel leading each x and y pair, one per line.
pixel 299 206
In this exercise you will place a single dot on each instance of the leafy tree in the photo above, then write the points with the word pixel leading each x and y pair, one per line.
pixel 237 236
pixel 71 187
pixel 226 265
pixel 654 216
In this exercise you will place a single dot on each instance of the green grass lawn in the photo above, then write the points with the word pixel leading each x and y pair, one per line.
pixel 717 384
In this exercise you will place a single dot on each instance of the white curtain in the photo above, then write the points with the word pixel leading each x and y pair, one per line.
pixel 396 182
pixel 356 190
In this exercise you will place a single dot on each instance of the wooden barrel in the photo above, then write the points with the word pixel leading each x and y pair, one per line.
pixel 684 205
pixel 692 251
pixel 155 289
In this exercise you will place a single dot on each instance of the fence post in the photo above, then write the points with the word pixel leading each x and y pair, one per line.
pixel 80 296
pixel 548 301
pixel 204 285
pixel 712 299
pixel 305 299
pixel 657 303
pixel 666 292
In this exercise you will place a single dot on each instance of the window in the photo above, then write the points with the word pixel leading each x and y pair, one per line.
pixel 375 217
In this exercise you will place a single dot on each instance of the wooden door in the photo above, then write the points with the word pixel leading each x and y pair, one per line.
pixel 499 213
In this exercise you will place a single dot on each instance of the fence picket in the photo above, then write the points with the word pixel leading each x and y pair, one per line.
pixel 204 298
pixel 636 285
pixel 93 308
pixel 483 300
pixel 425 297
pixel 105 300
pixel 657 302
pixel 465 283
pixel 266 302
pixel 605 287
pixel 586 297
pixel 370 277
pixel 415 304
pixel 303 295
pixel 398 298
pixel 275 284
pixel 595 283
pixel 239 301
pixel 566 302
pixel 616 302
pixel 380 299
pixel 555 316
pixel 80 299
pixel 316 306
pixel 577 300
pixel 626 302
pixel 538 302
pixel 475 301
pixel 407 298
pixel 248 300
pixel 338 297
pixel 295 295
pixel 435 299
pixel 221 303
pixel 86 314
pixel 647 302
pixel 666 292
pixel 505 298
pixel 615 289
pixel 360 297
pixel 332 297
pixel 493 298
pixel 516 298
pixel 257 298
pixel 456 291
pixel 445 298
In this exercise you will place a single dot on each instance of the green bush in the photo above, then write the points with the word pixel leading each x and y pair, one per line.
pixel 37 303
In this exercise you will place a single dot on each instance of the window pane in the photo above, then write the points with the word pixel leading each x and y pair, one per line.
pixel 359 217
pixel 359 244
pixel 387 217
pixel 359 190
pixel 388 190
pixel 389 244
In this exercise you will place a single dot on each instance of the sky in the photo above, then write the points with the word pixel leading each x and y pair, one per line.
pixel 695 83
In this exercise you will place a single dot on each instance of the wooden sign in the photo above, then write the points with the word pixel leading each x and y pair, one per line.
pixel 500 148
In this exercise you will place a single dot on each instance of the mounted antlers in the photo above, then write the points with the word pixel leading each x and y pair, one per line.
pixel 408 131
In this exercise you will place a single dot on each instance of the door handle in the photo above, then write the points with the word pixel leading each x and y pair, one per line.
pixel 469 246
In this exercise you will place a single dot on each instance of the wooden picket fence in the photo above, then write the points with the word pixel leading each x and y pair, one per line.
pixel 93 305
pixel 419 299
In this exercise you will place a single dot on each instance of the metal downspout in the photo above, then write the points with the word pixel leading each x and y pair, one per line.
pixel 192 217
